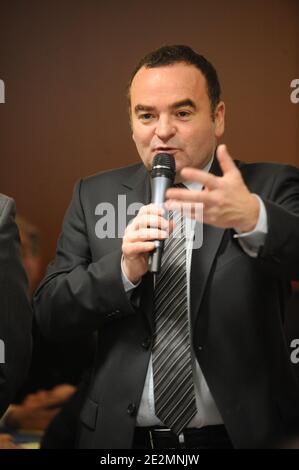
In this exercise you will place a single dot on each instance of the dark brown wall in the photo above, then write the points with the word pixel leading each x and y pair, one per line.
pixel 66 64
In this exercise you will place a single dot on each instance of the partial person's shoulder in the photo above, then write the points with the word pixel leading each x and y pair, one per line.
pixel 109 180
pixel 6 202
pixel 262 177
pixel 266 169
pixel 112 176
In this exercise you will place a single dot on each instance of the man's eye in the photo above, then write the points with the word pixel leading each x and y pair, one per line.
pixel 145 116
pixel 183 114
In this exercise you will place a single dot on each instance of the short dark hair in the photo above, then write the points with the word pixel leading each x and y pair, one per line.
pixel 168 55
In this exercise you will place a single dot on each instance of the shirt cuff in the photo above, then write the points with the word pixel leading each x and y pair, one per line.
pixel 252 241
pixel 128 285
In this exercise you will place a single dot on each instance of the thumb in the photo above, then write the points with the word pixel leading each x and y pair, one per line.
pixel 225 160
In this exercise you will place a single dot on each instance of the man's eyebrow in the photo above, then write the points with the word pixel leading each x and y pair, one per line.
pixel 182 103
pixel 143 107
pixel 178 104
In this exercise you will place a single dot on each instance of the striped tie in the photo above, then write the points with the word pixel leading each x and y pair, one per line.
pixel 174 393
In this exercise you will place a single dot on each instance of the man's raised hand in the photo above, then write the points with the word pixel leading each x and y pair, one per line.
pixel 227 202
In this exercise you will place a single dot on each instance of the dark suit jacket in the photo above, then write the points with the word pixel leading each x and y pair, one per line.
pixel 15 310
pixel 237 306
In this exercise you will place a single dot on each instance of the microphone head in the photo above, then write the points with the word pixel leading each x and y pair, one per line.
pixel 163 165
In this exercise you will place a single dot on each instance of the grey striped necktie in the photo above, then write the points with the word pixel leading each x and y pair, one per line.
pixel 174 393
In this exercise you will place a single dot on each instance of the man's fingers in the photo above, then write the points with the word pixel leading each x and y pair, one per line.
pixel 151 221
pixel 145 234
pixel 151 209
pixel 225 160
pixel 137 248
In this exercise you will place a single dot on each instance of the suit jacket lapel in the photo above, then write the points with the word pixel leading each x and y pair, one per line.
pixel 202 259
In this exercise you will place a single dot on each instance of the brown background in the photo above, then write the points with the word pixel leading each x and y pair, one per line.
pixel 66 64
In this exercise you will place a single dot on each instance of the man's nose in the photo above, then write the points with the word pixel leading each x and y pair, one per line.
pixel 165 128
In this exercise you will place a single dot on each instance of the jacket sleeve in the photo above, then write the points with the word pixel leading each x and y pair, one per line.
pixel 78 294
pixel 15 310
pixel 282 241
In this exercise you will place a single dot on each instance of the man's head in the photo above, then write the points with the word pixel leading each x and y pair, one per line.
pixel 175 107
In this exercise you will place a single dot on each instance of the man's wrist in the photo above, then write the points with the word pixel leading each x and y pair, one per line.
pixel 135 280
pixel 252 216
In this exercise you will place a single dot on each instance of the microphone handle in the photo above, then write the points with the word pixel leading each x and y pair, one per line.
pixel 160 184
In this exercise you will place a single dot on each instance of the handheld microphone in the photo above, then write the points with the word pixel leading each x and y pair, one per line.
pixel 163 176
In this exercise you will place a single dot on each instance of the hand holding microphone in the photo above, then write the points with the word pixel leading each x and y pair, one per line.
pixel 148 230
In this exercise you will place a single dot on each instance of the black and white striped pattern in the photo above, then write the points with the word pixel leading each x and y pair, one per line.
pixel 173 383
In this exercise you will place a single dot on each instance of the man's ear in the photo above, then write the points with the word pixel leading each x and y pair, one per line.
pixel 219 119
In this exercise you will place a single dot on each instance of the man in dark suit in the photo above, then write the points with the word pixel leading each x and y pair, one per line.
pixel 15 310
pixel 226 381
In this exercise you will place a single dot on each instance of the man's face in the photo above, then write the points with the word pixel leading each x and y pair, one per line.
pixel 171 112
